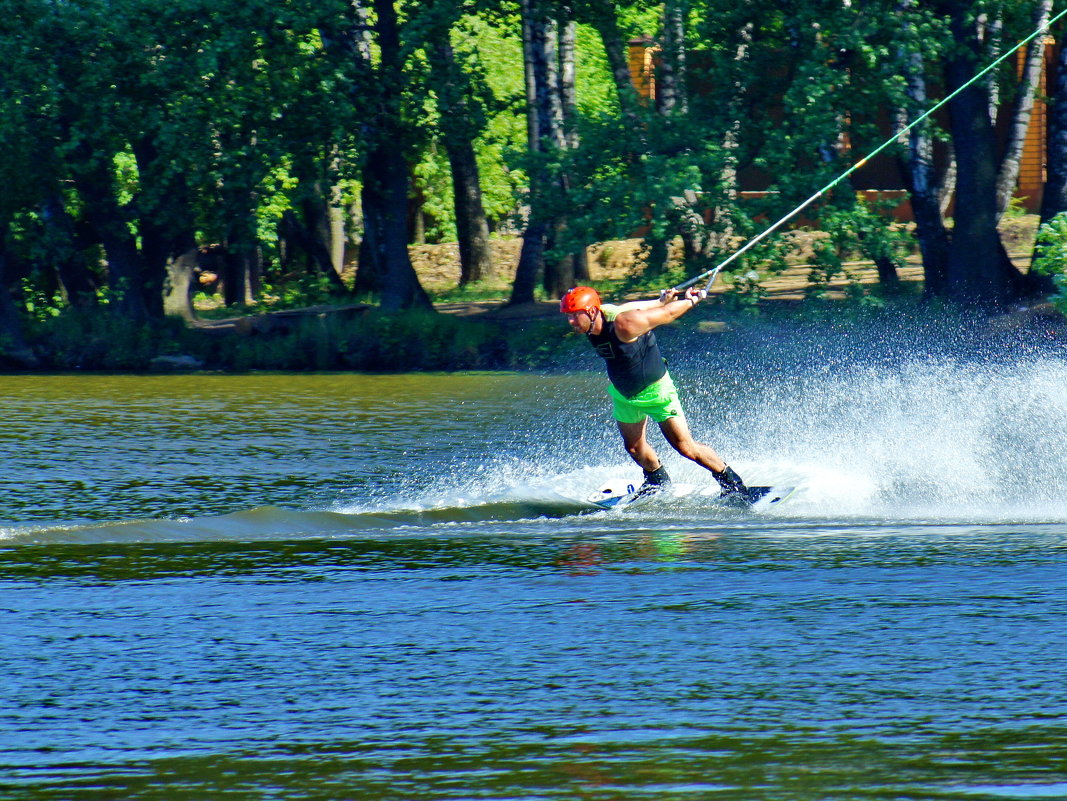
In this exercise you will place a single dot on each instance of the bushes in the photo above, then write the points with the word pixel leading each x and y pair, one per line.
pixel 427 341
pixel 1052 258
pixel 371 341
pixel 90 340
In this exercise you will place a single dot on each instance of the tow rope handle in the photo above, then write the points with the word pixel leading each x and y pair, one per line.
pixel 703 293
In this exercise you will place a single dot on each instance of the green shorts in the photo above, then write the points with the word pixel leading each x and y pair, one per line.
pixel 658 401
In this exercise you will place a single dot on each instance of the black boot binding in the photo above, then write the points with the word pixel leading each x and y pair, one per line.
pixel 655 481
pixel 733 488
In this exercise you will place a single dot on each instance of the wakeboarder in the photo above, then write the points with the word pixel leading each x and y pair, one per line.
pixel 640 386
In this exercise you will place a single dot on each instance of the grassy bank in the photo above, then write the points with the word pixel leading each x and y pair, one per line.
pixel 364 339
pixel 370 341
pixel 474 330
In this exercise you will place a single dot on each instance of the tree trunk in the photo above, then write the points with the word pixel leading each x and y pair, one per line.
pixel 170 256
pixel 370 270
pixel 656 246
pixel 731 140
pixel 325 219
pixel 312 231
pixel 989 35
pixel 887 271
pixel 549 93
pixel 78 283
pixel 549 106
pixel 13 348
pixel 303 238
pixel 920 179
pixel 385 187
pixel 155 254
pixel 699 238
pixel 97 190
pixel 384 262
pixel 338 234
pixel 559 273
pixel 603 17
pixel 241 257
pixel 472 227
pixel 574 267
pixel 1008 176
pixel 538 58
pixel 947 191
pixel 400 286
pixel 166 231
pixel 240 273
pixel 177 290
pixel 568 90
pixel 530 258
pixel 670 81
pixel 979 270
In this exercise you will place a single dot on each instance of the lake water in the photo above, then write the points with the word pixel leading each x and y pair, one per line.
pixel 382 587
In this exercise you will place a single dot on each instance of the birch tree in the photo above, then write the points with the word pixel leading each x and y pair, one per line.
pixel 1022 106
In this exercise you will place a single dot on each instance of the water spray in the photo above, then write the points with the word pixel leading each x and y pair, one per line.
pixel 714 271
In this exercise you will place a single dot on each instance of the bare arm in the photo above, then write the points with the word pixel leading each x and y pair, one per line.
pixel 640 317
pixel 638 304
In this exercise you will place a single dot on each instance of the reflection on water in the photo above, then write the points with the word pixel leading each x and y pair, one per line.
pixel 385 587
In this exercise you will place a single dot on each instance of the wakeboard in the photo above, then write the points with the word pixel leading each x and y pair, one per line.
pixel 619 494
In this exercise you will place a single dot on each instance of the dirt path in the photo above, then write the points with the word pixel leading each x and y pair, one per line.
pixel 437 266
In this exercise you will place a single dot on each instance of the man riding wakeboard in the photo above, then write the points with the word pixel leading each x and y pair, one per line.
pixel 640 385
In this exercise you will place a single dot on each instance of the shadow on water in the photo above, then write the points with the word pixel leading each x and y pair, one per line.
pixel 784 545
pixel 584 762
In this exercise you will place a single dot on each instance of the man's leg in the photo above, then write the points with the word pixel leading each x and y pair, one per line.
pixel 676 431
pixel 637 445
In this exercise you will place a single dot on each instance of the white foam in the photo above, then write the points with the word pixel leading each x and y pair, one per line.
pixel 931 438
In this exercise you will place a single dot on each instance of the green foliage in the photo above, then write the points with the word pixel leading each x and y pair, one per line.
pixel 357 340
pixel 1016 209
pixel 296 293
pixel 215 119
pixel 377 342
pixel 431 178
pixel 619 184
pixel 747 293
pixel 87 340
pixel 596 93
pixel 39 303
pixel 853 231
pixel 198 111
pixel 495 52
pixel 1051 259
pixel 826 265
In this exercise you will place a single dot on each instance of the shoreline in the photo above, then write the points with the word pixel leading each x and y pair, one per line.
pixel 488 333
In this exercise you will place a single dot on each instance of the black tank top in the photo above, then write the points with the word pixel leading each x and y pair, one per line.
pixel 632 366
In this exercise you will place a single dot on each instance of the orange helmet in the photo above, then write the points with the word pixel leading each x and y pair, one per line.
pixel 580 298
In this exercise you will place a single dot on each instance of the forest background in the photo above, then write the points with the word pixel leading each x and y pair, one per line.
pixel 164 165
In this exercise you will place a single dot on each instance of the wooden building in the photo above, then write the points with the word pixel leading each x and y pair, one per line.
pixel 881 177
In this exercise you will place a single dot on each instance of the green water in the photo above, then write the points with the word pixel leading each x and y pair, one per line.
pixel 388 587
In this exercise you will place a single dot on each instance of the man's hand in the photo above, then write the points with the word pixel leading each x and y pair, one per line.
pixel 695 295
pixel 667 295
pixel 640 318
